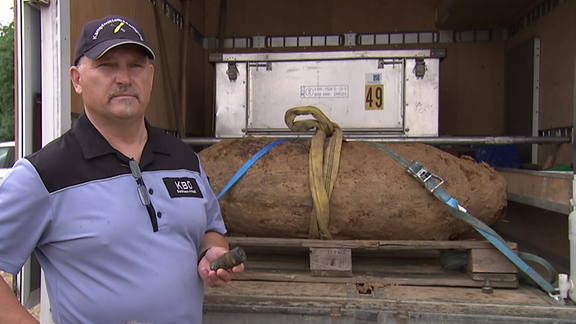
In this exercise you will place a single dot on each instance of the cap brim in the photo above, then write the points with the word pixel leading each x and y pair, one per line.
pixel 99 50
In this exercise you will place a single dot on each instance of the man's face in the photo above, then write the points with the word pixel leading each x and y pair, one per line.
pixel 117 85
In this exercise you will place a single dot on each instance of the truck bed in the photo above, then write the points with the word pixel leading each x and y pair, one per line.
pixel 268 302
pixel 354 281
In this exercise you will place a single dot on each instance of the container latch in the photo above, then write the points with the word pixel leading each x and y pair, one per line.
pixel 420 68
pixel 232 71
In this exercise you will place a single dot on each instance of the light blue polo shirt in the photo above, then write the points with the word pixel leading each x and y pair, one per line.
pixel 75 204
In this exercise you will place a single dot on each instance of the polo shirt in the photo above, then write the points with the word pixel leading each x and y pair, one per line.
pixel 76 204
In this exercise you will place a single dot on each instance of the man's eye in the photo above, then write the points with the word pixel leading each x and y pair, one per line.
pixel 105 65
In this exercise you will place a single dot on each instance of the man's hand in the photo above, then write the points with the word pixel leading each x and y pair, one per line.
pixel 216 278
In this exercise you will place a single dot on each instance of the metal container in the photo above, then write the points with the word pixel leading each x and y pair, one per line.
pixel 367 93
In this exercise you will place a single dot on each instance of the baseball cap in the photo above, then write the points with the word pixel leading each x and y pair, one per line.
pixel 100 35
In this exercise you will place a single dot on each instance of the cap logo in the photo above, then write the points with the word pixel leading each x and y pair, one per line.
pixel 117 28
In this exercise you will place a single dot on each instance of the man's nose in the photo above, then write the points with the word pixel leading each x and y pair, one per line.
pixel 123 75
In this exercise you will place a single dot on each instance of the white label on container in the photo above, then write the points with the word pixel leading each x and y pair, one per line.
pixel 320 91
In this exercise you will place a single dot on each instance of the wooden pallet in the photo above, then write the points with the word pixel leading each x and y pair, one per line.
pixel 364 262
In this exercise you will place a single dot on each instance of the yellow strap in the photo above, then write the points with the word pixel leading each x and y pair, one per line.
pixel 323 166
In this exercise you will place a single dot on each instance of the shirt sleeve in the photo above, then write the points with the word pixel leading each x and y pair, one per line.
pixel 214 220
pixel 25 213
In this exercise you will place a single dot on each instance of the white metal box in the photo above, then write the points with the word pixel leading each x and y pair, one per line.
pixel 367 93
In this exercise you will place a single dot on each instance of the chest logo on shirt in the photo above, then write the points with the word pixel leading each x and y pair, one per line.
pixel 182 187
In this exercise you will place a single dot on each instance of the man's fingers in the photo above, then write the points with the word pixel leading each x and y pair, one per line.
pixel 225 275
pixel 205 274
pixel 220 277
pixel 215 280
pixel 238 269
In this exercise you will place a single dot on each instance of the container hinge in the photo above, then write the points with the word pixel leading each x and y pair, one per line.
pixel 381 63
pixel 268 66
pixel 232 71
pixel 44 3
pixel 350 39
pixel 420 68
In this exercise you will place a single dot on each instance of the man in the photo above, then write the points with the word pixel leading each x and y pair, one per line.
pixel 120 215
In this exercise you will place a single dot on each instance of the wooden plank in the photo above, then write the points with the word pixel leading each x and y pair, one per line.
pixel 385 270
pixel 359 244
pixel 542 190
pixel 483 307
pixel 490 265
pixel 489 261
pixel 372 266
pixel 456 279
pixel 270 291
pixel 330 262
pixel 495 277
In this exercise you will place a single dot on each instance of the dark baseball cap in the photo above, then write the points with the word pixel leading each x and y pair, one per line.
pixel 100 35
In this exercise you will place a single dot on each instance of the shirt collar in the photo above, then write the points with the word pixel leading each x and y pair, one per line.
pixel 93 144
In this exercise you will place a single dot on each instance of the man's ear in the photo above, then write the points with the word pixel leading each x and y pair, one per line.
pixel 152 79
pixel 75 78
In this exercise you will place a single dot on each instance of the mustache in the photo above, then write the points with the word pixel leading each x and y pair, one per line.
pixel 123 90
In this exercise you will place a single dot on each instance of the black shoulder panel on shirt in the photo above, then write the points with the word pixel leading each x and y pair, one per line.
pixel 170 153
pixel 62 164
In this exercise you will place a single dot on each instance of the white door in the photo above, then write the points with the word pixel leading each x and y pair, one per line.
pixel 43 51
pixel 28 71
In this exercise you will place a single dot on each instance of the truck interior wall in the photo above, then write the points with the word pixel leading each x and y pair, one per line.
pixel 472 75
pixel 164 107
pixel 480 14
pixel 209 95
pixel 557 35
pixel 297 17
pixel 472 89
pixel 539 231
pixel 196 67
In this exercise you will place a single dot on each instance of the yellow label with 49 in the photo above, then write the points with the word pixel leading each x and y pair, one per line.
pixel 374 97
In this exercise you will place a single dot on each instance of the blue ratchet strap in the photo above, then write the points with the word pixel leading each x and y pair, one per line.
pixel 249 163
pixel 426 178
